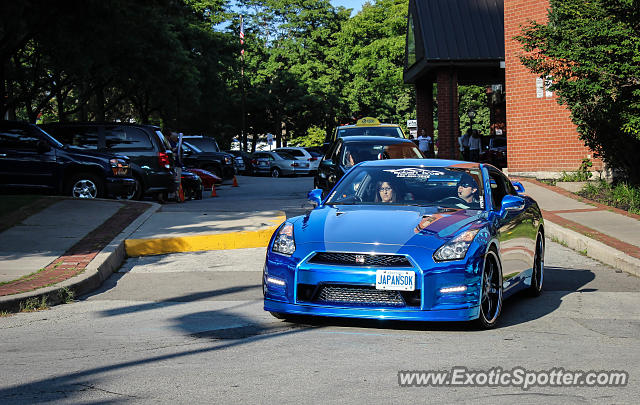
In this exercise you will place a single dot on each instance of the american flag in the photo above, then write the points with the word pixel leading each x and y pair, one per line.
pixel 242 35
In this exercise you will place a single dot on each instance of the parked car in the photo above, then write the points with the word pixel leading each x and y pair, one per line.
pixel 246 161
pixel 367 126
pixel 210 157
pixel 495 152
pixel 454 240
pixel 301 153
pixel 208 179
pixel 279 164
pixel 30 159
pixel 191 185
pixel 349 151
pixel 150 153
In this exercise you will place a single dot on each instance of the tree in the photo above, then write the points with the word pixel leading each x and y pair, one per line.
pixel 591 51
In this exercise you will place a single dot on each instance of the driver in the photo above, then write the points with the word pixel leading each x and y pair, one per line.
pixel 468 188
pixel 385 192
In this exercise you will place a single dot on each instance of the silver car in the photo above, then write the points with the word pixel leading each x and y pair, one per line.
pixel 301 153
pixel 279 164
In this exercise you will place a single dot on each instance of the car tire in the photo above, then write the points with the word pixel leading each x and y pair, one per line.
pixel 490 292
pixel 537 276
pixel 137 190
pixel 198 194
pixel 85 185
pixel 275 173
pixel 278 315
pixel 215 170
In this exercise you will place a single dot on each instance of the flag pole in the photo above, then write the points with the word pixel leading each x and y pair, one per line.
pixel 244 124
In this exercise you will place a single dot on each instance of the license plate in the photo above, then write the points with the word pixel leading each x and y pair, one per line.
pixel 262 163
pixel 401 280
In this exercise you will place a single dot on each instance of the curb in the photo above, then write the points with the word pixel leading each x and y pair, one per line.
pixel 220 241
pixel 594 249
pixel 97 271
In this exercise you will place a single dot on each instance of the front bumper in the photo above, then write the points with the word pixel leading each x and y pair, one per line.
pixel 465 314
pixel 119 186
pixel 298 275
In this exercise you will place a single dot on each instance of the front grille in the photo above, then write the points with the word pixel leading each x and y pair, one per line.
pixel 359 296
pixel 357 259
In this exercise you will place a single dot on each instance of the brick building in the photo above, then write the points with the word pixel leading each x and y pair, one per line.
pixel 451 42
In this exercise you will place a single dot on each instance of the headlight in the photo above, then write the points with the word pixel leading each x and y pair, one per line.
pixel 457 247
pixel 284 242
pixel 227 160
pixel 120 167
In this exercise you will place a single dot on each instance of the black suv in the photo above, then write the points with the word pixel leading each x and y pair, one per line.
pixel 31 159
pixel 209 156
pixel 150 153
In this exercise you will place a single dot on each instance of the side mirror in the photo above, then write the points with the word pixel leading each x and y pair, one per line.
pixel 43 146
pixel 315 196
pixel 518 186
pixel 511 203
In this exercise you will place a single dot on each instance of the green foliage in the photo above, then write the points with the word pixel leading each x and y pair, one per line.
pixel 591 49
pixel 474 97
pixel 34 304
pixel 582 174
pixel 621 195
pixel 315 137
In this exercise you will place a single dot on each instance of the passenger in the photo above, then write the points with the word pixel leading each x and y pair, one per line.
pixel 385 193
pixel 468 188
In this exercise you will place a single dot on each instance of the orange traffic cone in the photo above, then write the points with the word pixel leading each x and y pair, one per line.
pixel 213 190
pixel 181 194
pixel 235 182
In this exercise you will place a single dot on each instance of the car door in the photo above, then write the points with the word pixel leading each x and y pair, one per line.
pixel 513 232
pixel 329 170
pixel 27 159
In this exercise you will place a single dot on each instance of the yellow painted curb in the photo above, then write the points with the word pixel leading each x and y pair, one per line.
pixel 220 241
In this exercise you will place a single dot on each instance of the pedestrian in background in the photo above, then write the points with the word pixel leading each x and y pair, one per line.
pixel 465 144
pixel 425 143
pixel 475 143
pixel 461 156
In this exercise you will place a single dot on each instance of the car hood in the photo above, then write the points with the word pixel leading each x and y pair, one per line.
pixel 90 153
pixel 388 225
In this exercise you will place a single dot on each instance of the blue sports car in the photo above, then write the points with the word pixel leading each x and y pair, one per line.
pixel 415 240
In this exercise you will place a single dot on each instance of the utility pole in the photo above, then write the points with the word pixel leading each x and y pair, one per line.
pixel 243 135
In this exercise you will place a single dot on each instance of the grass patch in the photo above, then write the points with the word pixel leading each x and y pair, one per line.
pixel 66 295
pixel 621 195
pixel 560 242
pixel 34 304
pixel 5 314
pixel 551 182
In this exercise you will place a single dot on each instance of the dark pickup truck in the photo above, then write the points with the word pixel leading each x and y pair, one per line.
pixel 202 152
pixel 30 159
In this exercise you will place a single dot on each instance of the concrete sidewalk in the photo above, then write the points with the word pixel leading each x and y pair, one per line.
pixel 76 244
pixel 607 234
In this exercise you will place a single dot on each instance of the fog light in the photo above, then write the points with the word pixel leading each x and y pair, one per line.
pixel 276 281
pixel 461 288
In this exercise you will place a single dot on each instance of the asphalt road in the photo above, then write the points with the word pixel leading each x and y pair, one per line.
pixel 189 328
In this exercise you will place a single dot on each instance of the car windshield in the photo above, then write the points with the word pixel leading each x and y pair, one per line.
pixel 356 152
pixel 204 144
pixel 193 148
pixel 394 132
pixel 447 187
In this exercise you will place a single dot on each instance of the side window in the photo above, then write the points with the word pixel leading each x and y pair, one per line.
pixel 129 138
pixel 81 137
pixel 498 189
pixel 18 138
pixel 509 187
